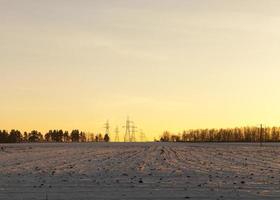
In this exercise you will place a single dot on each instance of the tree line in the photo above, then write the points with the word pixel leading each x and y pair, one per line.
pixel 15 136
pixel 243 134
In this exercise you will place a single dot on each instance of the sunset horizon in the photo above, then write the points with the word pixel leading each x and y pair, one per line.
pixel 139 99
pixel 199 65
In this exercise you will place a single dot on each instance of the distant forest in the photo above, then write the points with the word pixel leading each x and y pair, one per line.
pixel 15 136
pixel 244 134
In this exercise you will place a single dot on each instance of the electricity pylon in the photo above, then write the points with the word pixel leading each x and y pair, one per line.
pixel 142 136
pixel 133 133
pixel 117 138
pixel 127 130
pixel 107 128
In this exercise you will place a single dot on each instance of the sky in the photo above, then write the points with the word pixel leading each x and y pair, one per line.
pixel 168 64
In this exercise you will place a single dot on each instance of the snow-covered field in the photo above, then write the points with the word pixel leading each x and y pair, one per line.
pixel 139 171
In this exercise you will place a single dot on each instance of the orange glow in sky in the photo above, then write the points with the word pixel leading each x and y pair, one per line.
pixel 168 64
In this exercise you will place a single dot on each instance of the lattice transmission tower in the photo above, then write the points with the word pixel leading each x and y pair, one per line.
pixel 142 136
pixel 107 128
pixel 127 127
pixel 133 132
pixel 117 138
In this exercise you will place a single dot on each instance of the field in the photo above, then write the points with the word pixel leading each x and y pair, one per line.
pixel 139 171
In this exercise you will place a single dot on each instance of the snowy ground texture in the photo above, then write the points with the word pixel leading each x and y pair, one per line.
pixel 139 171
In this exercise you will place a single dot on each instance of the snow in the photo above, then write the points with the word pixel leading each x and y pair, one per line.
pixel 139 171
